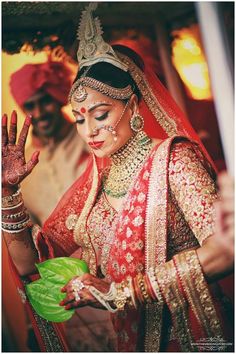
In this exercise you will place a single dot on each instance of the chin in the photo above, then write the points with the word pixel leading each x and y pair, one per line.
pixel 100 153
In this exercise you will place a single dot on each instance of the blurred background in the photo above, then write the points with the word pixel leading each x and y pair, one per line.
pixel 174 39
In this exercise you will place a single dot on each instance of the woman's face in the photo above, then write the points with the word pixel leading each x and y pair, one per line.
pixel 97 110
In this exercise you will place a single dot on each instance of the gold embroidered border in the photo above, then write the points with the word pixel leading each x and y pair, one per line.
pixel 46 329
pixel 156 214
pixel 155 238
pixel 48 335
pixel 166 122
pixel 201 297
pixel 80 234
pixel 166 276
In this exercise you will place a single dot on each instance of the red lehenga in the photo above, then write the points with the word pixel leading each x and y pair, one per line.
pixel 167 210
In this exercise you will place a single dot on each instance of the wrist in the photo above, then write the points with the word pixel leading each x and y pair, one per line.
pixel 6 191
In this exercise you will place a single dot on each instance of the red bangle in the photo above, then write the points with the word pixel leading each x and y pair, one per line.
pixel 149 287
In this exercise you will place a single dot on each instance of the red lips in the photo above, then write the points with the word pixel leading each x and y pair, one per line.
pixel 96 144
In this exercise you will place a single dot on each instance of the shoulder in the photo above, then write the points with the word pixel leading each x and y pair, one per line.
pixel 181 149
pixel 176 146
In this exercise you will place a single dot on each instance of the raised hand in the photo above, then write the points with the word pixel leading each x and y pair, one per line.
pixel 14 166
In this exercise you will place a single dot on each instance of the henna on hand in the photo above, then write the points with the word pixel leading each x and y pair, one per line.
pixel 14 167
pixel 86 298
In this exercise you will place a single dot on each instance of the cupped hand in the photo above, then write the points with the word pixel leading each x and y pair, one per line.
pixel 85 297
pixel 14 166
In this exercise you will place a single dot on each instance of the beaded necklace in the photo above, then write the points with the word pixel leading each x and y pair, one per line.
pixel 125 164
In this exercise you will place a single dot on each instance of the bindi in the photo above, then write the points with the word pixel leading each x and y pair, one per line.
pixel 83 110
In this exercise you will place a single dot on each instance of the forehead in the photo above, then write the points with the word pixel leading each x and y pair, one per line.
pixel 92 97
pixel 37 96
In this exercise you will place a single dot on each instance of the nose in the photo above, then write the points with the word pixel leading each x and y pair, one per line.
pixel 91 130
pixel 38 111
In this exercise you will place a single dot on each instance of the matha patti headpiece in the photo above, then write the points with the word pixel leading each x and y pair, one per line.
pixel 92 48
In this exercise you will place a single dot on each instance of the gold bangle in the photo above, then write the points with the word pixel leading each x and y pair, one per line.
pixel 14 216
pixel 12 200
pixel 143 289
pixel 13 206
pixel 15 225
pixel 28 224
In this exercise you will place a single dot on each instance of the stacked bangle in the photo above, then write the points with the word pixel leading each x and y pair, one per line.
pixel 15 225
pixel 14 206
pixel 14 216
pixel 11 201
pixel 144 288
pixel 18 220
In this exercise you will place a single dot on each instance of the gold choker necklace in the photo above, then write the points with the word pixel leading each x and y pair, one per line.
pixel 125 164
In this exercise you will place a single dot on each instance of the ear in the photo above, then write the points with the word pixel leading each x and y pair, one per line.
pixel 133 103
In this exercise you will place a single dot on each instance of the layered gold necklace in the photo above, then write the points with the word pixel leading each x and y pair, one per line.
pixel 126 162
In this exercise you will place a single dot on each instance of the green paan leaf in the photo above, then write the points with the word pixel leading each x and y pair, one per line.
pixel 45 294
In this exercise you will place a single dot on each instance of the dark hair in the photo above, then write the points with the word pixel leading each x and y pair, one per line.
pixel 112 75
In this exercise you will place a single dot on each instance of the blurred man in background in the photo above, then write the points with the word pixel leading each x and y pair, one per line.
pixel 41 90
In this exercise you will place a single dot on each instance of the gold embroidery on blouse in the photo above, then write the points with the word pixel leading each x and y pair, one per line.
pixel 80 234
pixel 193 189
pixel 101 228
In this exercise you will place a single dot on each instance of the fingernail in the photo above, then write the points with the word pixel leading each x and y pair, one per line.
pixel 4 119
pixel 67 307
pixel 13 117
pixel 61 303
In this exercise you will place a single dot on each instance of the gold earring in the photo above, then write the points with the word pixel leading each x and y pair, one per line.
pixel 136 122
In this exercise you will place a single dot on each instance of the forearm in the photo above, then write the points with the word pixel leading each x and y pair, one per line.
pixel 215 261
pixel 22 251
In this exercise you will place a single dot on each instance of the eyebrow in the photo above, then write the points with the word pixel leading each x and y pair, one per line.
pixel 93 107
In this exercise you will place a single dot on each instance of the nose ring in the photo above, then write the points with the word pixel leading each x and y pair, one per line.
pixel 95 131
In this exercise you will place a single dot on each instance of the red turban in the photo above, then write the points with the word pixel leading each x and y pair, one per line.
pixel 52 77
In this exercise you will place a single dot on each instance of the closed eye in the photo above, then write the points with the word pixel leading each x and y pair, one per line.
pixel 79 121
pixel 102 117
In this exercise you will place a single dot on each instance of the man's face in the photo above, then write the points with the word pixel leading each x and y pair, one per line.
pixel 46 114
